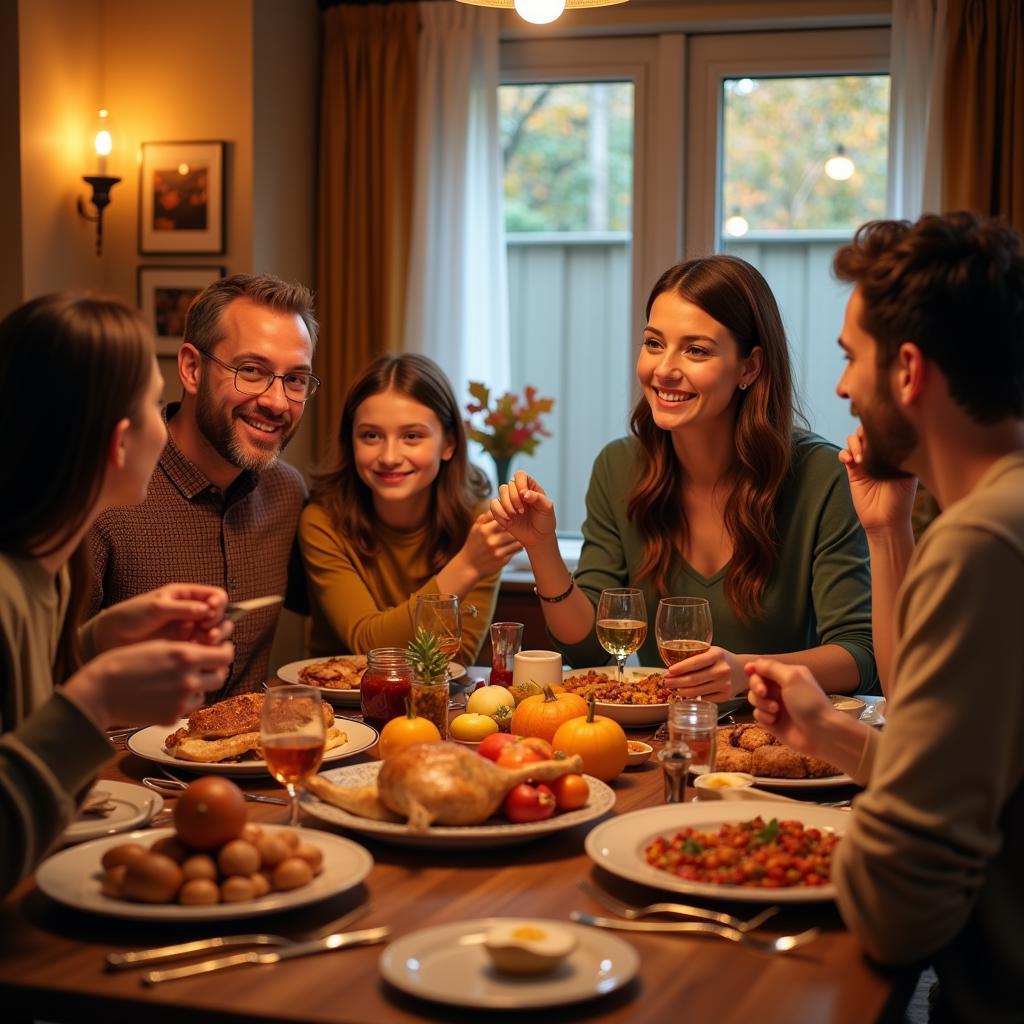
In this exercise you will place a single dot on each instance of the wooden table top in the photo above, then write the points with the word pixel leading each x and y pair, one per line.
pixel 51 957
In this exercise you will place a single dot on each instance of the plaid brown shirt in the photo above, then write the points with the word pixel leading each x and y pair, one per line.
pixel 188 531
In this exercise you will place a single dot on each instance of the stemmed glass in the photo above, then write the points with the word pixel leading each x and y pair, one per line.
pixel 682 628
pixel 621 623
pixel 292 735
pixel 441 615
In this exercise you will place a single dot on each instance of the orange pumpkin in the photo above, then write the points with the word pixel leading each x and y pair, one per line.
pixel 598 740
pixel 542 714
pixel 406 731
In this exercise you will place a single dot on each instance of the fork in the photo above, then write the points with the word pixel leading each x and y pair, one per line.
pixel 782 944
pixel 631 913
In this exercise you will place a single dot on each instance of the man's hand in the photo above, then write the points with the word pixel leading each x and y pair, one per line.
pixel 178 611
pixel 879 504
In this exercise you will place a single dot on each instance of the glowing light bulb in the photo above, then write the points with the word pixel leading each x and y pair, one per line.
pixel 183 169
pixel 839 167
pixel 539 12
pixel 103 141
pixel 736 225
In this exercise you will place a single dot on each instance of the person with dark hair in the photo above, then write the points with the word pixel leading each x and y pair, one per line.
pixel 400 512
pixel 92 444
pixel 223 510
pixel 716 495
pixel 929 867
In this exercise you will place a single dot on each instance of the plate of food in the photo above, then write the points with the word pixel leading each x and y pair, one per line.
pixel 223 739
pixel 337 678
pixel 752 749
pixel 351 798
pixel 641 700
pixel 677 847
pixel 74 877
pixel 112 807
pixel 449 963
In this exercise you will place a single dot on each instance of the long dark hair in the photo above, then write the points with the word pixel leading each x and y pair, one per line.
pixel 732 292
pixel 71 367
pixel 458 488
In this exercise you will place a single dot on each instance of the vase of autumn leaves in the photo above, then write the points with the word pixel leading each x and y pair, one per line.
pixel 511 426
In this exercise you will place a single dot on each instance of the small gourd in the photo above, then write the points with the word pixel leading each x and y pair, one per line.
pixel 405 731
pixel 598 740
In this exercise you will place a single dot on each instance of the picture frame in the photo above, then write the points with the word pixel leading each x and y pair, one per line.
pixel 165 293
pixel 181 198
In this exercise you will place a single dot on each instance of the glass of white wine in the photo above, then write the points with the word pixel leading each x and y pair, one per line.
pixel 682 628
pixel 292 735
pixel 621 623
pixel 441 615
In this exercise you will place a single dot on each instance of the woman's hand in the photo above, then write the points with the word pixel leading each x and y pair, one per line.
pixel 151 683
pixel 524 510
pixel 789 702
pixel 715 674
pixel 879 504
pixel 178 611
pixel 488 546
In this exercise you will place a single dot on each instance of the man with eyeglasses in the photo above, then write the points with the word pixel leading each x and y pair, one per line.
pixel 221 508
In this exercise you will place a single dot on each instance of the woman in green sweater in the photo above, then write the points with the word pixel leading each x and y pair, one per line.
pixel 716 495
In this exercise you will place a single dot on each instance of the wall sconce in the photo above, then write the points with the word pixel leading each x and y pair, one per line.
pixel 541 12
pixel 101 183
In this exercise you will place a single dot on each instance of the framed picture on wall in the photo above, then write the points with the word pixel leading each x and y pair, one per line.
pixel 181 197
pixel 165 293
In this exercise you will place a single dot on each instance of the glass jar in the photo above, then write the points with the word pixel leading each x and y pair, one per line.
pixel 694 723
pixel 430 700
pixel 385 686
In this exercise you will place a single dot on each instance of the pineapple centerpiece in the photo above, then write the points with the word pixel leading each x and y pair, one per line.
pixel 430 686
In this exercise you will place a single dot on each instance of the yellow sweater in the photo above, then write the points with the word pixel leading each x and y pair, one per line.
pixel 359 604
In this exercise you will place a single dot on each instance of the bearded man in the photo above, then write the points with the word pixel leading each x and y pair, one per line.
pixel 222 509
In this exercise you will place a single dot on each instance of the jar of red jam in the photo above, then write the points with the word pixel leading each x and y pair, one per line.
pixel 385 686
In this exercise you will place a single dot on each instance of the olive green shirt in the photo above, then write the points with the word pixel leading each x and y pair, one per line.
pixel 819 592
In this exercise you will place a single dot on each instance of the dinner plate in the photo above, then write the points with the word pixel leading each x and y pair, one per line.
pixel 449 964
pixel 72 877
pixel 495 833
pixel 825 782
pixel 629 715
pixel 133 807
pixel 149 743
pixel 290 674
pixel 618 845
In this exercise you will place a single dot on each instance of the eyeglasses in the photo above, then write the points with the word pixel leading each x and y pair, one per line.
pixel 251 379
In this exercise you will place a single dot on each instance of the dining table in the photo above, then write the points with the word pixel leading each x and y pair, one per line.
pixel 52 957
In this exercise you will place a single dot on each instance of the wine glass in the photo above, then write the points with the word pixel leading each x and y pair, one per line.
pixel 621 623
pixel 292 735
pixel 682 628
pixel 441 615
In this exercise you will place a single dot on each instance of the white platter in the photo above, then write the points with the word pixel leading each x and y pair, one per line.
pixel 825 782
pixel 72 877
pixel 448 964
pixel 149 743
pixel 500 833
pixel 133 807
pixel 350 698
pixel 629 715
pixel 618 845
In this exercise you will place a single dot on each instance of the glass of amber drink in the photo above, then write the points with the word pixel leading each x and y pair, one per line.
pixel 682 628
pixel 292 735
pixel 441 615
pixel 621 623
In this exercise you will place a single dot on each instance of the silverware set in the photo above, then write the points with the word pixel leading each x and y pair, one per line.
pixel 172 786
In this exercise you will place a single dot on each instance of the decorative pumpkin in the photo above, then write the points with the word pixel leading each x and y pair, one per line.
pixel 405 731
pixel 542 714
pixel 598 740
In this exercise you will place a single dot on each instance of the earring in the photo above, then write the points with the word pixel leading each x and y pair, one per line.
pixel 743 387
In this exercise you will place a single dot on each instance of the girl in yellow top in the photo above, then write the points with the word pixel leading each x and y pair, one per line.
pixel 399 512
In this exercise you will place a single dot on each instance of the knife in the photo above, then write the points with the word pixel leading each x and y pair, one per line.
pixel 237 609
pixel 340 940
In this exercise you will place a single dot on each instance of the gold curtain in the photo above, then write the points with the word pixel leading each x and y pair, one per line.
pixel 983 116
pixel 367 149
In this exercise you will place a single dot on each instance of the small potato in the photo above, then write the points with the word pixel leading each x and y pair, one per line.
pixel 291 873
pixel 260 884
pixel 272 850
pixel 152 878
pixel 237 889
pixel 173 847
pixel 238 858
pixel 252 833
pixel 112 883
pixel 200 865
pixel 120 855
pixel 311 855
pixel 290 836
pixel 199 892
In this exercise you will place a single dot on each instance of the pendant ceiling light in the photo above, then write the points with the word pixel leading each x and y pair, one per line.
pixel 541 12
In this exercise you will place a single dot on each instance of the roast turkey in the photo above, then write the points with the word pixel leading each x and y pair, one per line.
pixel 437 783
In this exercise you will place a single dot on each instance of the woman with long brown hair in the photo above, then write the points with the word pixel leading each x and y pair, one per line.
pixel 717 495
pixel 400 512
pixel 80 393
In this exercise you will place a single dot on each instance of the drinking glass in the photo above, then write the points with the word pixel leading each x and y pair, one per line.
pixel 682 628
pixel 440 614
pixel 506 641
pixel 292 735
pixel 621 623
pixel 694 724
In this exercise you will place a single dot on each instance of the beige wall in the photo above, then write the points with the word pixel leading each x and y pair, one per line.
pixel 10 169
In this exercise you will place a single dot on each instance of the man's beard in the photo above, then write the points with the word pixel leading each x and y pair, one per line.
pixel 889 437
pixel 217 425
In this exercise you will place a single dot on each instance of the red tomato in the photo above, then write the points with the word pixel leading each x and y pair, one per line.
pixel 491 746
pixel 529 803
pixel 209 813
pixel 526 751
pixel 571 792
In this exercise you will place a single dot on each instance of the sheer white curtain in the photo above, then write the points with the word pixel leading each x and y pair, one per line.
pixel 457 304
pixel 915 123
